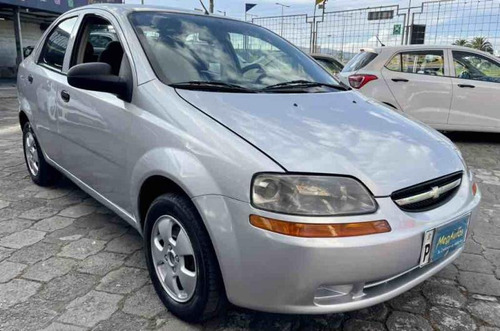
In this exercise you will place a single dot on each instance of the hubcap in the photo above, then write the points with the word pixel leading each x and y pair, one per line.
pixel 173 258
pixel 30 149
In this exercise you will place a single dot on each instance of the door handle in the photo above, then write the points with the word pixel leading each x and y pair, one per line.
pixel 403 80
pixel 30 79
pixel 466 86
pixel 65 96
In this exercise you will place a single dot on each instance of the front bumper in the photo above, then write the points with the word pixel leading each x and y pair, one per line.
pixel 276 273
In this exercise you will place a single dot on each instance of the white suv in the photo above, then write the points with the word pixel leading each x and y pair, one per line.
pixel 447 87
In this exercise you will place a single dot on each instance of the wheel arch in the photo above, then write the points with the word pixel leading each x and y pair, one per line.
pixel 23 118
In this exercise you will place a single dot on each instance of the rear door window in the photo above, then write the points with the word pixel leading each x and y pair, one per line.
pixel 422 62
pixel 55 46
pixel 360 61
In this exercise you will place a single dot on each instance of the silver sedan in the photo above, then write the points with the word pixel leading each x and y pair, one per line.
pixel 252 174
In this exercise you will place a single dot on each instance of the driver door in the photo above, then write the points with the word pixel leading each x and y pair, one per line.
pixel 476 91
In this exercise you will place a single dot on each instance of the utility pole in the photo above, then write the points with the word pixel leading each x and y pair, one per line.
pixel 282 15
pixel 211 8
pixel 408 27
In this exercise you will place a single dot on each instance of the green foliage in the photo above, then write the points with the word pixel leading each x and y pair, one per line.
pixel 480 43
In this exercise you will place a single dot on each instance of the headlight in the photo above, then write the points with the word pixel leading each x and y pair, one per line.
pixel 311 195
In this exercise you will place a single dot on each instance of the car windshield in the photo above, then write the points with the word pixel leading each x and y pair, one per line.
pixel 200 51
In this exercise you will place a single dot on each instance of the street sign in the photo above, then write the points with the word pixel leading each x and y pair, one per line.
pixel 397 29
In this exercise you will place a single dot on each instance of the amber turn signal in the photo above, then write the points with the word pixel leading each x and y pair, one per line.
pixel 474 188
pixel 308 230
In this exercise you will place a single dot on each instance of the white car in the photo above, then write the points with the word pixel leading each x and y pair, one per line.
pixel 448 87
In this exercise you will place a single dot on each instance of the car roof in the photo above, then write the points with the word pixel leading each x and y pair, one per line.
pixel 125 9
pixel 414 47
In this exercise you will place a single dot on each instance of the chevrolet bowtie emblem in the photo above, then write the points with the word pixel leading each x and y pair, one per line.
pixel 435 192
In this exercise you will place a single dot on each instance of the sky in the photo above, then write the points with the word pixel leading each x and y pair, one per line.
pixel 236 8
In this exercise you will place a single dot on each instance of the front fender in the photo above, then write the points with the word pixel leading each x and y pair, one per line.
pixel 181 167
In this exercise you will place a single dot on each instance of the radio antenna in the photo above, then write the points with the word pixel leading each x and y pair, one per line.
pixel 381 43
pixel 204 8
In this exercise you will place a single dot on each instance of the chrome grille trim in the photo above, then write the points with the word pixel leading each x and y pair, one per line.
pixel 434 193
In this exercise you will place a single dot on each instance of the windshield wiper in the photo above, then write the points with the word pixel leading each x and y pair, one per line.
pixel 301 83
pixel 212 86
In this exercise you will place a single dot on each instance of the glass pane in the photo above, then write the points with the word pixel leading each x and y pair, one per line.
pixel 424 63
pixel 55 45
pixel 359 61
pixel 184 48
pixel 476 67
pixel 395 64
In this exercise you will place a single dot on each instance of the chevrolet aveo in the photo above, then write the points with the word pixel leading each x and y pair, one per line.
pixel 254 177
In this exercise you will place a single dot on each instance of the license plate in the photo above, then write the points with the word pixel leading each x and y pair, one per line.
pixel 440 241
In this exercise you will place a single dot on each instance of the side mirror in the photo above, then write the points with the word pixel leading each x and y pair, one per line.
pixel 96 76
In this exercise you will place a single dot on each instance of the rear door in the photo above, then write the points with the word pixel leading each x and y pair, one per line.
pixel 418 80
pixel 476 91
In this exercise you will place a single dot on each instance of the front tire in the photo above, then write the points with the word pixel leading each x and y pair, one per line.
pixel 181 259
pixel 41 173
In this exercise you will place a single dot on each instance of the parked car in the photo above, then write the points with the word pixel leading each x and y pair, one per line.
pixel 330 63
pixel 448 87
pixel 281 192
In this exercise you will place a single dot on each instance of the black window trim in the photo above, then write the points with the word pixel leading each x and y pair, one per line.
pixel 42 45
pixel 400 53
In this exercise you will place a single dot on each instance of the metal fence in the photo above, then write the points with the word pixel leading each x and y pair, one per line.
pixel 343 33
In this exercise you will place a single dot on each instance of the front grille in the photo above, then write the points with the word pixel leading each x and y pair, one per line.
pixel 428 195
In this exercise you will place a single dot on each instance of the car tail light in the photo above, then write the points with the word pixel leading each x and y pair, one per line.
pixel 330 230
pixel 358 81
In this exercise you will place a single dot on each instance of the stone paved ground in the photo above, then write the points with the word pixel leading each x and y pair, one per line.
pixel 68 263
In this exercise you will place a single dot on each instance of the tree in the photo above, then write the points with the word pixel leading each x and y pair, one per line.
pixel 461 42
pixel 482 44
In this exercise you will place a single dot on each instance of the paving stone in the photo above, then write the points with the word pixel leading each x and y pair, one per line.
pixel 125 244
pixel 82 248
pixel 93 221
pixel 5 253
pixel 123 280
pixel 443 295
pixel 412 302
pixel 4 204
pixel 15 225
pixel 39 213
pixel 493 255
pixel 489 241
pixel 108 231
pixel 400 321
pixel 480 283
pixel 144 303
pixel 21 239
pixel 488 328
pixel 15 291
pixel 360 325
pixel 35 253
pixel 449 319
pixel 53 223
pixel 44 271
pixel 67 234
pixel 63 327
pixel 449 272
pixel 488 312
pixel 137 260
pixel 484 297
pixel 68 287
pixel 101 263
pixel 176 324
pixel 50 194
pixel 91 309
pixel 8 213
pixel 9 270
pixel 123 322
pixel 30 315
pixel 376 313
pixel 473 262
pixel 77 211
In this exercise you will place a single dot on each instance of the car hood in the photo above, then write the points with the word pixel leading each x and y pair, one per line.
pixel 340 133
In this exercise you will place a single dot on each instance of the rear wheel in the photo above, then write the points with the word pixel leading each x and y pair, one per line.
pixel 181 260
pixel 40 171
